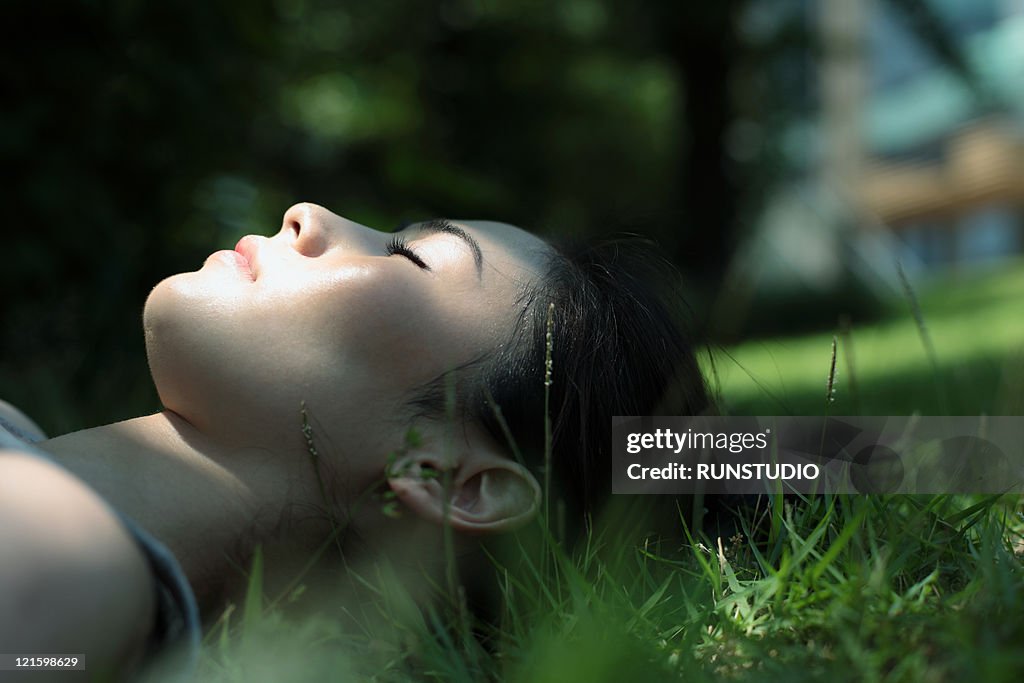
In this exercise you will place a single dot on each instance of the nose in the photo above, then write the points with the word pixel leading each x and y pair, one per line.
pixel 315 230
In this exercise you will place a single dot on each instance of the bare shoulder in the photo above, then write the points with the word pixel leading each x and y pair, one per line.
pixel 22 421
pixel 72 579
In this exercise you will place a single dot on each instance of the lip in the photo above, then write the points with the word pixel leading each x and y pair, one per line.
pixel 234 259
pixel 248 248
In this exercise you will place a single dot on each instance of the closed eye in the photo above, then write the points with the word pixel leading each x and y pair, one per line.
pixel 399 246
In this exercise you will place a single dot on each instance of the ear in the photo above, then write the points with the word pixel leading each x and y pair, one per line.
pixel 482 491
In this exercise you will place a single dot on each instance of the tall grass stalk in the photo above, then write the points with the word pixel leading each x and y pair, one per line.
pixel 830 395
pixel 926 338
pixel 548 367
pixel 830 384
pixel 314 457
pixel 846 335
pixel 454 592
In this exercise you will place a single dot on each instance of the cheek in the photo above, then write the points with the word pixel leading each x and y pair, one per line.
pixel 395 330
pixel 387 328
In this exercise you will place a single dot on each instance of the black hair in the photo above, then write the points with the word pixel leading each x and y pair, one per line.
pixel 619 346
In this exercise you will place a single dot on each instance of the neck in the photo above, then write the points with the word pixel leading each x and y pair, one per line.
pixel 208 502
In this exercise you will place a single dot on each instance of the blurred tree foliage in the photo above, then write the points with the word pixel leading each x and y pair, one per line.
pixel 140 136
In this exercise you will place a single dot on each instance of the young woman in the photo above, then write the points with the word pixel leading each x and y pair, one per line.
pixel 300 372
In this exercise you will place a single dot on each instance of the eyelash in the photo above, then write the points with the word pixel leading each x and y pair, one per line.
pixel 399 246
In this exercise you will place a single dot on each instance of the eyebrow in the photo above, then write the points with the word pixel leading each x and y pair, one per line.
pixel 443 225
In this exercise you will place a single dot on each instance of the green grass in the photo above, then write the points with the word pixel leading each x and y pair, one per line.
pixel 976 323
pixel 837 588
pixel 844 588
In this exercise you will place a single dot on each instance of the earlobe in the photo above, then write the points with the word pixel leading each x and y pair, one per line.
pixel 485 493
pixel 416 482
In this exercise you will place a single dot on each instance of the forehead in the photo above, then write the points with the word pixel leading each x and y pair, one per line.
pixel 506 247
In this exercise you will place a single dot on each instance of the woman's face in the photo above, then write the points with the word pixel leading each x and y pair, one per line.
pixel 330 313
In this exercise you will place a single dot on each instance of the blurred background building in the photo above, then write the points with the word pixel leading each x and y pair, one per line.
pixel 946 149
pixel 914 154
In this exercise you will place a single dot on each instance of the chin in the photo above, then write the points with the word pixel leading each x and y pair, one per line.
pixel 159 330
pixel 154 311
pixel 180 303
pixel 176 337
pixel 162 312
